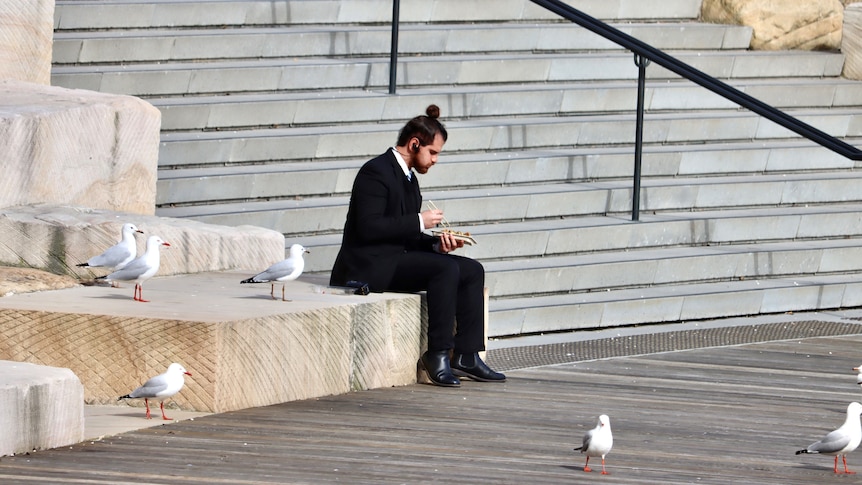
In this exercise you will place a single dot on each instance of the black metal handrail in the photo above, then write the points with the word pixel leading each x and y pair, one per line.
pixel 675 65
pixel 644 54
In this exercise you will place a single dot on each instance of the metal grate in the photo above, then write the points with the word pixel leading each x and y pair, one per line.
pixel 561 353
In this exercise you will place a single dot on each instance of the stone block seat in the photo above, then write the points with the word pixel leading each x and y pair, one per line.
pixel 243 348
pixel 40 407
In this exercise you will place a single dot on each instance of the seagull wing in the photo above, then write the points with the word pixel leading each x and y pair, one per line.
pixel 276 272
pixel 152 388
pixel 114 256
pixel 588 438
pixel 130 271
pixel 832 443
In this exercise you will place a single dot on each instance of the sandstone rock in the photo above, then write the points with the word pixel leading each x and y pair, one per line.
pixel 41 407
pixel 851 43
pixel 26 280
pixel 243 349
pixel 64 146
pixel 57 238
pixel 26 39
pixel 782 24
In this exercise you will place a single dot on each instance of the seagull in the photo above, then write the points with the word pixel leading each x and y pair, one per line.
pixel 285 270
pixel 859 375
pixel 140 269
pixel 841 441
pixel 598 442
pixel 119 254
pixel 160 388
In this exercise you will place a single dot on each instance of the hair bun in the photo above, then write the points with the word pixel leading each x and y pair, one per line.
pixel 433 111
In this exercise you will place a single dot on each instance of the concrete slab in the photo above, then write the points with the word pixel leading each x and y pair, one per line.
pixel 102 420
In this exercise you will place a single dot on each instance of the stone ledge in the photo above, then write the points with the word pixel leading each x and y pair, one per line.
pixel 40 407
pixel 57 238
pixel 243 349
pixel 70 146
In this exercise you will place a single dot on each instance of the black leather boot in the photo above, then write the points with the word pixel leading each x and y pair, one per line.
pixel 471 365
pixel 436 365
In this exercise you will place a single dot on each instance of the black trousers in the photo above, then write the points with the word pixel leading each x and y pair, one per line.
pixel 454 287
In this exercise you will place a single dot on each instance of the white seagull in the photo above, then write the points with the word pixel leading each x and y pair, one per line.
pixel 119 254
pixel 285 270
pixel 859 375
pixel 598 442
pixel 141 268
pixel 160 388
pixel 841 441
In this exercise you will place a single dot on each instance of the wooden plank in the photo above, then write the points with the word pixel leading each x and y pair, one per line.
pixel 717 415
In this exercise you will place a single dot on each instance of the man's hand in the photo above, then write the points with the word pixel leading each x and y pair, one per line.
pixel 431 218
pixel 448 243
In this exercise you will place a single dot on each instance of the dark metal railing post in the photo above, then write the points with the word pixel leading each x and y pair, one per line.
pixel 393 49
pixel 722 89
pixel 642 63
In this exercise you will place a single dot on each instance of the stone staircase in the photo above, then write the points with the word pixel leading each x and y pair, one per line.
pixel 269 109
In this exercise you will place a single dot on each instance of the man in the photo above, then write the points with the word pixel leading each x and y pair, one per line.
pixel 384 246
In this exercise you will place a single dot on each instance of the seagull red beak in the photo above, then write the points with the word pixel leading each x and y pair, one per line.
pixel 165 244
pixel 187 373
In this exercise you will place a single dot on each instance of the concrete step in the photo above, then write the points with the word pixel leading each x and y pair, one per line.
pixel 242 348
pixel 488 205
pixel 177 187
pixel 157 45
pixel 239 111
pixel 540 153
pixel 197 149
pixel 132 14
pixel 591 235
pixel 184 78
pixel 671 266
pixel 687 302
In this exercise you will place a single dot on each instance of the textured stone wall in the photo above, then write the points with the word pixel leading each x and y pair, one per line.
pixel 851 44
pixel 782 24
pixel 63 146
pixel 26 39
pixel 277 352
pixel 57 238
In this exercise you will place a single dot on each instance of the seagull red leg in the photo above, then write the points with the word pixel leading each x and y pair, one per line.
pixel 272 291
pixel 844 458
pixel 147 405
pixel 604 472
pixel 587 465
pixel 835 469
pixel 139 293
pixel 162 406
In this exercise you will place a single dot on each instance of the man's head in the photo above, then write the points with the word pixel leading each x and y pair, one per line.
pixel 423 138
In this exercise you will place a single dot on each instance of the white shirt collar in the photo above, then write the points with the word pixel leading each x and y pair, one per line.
pixel 401 163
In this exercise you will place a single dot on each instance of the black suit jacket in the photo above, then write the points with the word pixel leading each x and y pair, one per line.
pixel 382 223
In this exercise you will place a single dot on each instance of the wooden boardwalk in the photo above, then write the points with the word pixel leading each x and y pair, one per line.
pixel 719 415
